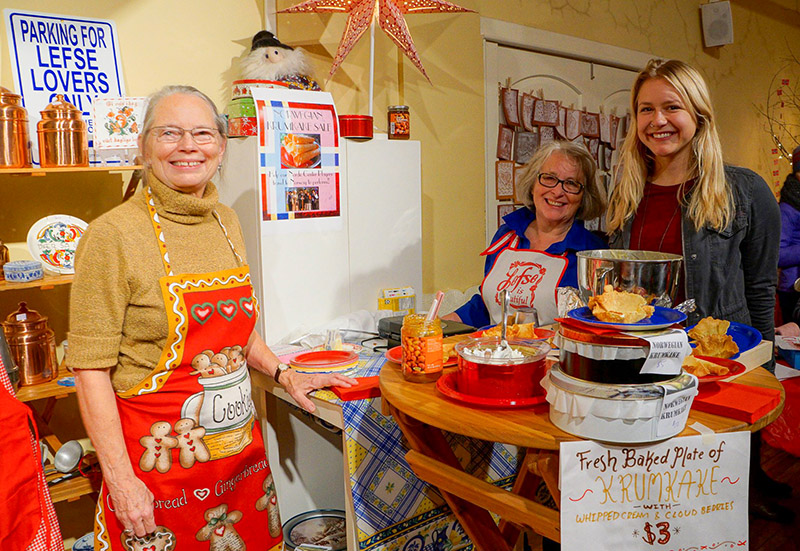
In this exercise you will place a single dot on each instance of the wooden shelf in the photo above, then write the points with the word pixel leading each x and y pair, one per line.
pixel 70 490
pixel 48 282
pixel 46 171
pixel 50 389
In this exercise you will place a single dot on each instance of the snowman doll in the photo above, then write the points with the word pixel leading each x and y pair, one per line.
pixel 270 59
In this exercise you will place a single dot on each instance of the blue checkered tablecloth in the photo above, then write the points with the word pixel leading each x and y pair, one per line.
pixel 396 511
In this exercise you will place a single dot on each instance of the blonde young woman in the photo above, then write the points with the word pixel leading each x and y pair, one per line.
pixel 675 194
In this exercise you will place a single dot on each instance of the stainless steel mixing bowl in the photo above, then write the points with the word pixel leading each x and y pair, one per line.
pixel 651 274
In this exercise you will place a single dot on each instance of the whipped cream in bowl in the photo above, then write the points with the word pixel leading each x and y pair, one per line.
pixel 488 369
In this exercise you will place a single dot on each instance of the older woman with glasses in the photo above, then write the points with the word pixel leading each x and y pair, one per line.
pixel 533 252
pixel 162 318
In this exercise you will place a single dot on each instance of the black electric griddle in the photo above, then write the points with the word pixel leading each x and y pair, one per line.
pixel 389 329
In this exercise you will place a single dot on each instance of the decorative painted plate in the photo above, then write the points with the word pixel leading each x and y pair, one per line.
pixel 661 319
pixel 53 240
pixel 84 543
pixel 744 336
pixel 447 385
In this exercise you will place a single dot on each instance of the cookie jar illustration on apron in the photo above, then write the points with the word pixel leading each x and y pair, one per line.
pixel 530 277
pixel 190 427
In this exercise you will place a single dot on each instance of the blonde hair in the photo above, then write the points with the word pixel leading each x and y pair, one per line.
pixel 593 202
pixel 711 201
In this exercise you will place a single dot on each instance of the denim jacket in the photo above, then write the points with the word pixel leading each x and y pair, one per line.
pixel 732 273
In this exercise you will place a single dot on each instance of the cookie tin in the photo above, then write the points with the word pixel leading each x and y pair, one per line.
pixel 318 529
pixel 613 413
pixel 357 127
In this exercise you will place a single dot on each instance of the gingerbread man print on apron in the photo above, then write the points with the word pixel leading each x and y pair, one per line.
pixel 190 427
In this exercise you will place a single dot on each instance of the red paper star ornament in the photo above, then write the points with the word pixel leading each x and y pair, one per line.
pixel 390 18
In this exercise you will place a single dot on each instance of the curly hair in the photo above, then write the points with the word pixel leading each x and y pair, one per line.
pixel 593 202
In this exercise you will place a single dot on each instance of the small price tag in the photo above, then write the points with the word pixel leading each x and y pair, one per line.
pixel 22 317
pixel 666 352
pixel 675 410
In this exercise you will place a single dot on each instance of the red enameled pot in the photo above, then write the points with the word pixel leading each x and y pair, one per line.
pixel 506 378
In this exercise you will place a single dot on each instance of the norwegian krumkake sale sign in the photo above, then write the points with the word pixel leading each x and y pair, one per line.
pixel 683 493
pixel 59 54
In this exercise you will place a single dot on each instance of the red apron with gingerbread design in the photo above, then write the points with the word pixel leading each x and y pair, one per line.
pixel 190 427
pixel 530 277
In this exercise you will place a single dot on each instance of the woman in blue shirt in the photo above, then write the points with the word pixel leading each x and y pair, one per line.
pixel 533 252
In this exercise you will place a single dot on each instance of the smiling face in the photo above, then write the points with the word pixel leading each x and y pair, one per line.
pixel 553 205
pixel 664 124
pixel 184 165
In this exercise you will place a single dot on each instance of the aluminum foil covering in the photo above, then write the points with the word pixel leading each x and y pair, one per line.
pixel 568 299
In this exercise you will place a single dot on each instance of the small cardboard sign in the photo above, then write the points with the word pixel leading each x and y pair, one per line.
pixel 683 493
pixel 666 353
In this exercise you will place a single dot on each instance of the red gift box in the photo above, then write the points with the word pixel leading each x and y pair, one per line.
pixel 367 387
pixel 737 401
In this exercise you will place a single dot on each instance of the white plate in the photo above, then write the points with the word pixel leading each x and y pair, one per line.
pixel 53 240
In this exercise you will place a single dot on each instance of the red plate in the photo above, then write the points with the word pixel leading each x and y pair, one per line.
pixel 324 359
pixel 396 355
pixel 735 367
pixel 539 332
pixel 447 386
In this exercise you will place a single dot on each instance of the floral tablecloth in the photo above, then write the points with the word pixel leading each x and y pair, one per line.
pixel 396 511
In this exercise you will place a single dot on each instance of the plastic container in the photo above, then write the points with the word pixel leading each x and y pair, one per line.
pixel 399 122
pixel 422 349
pixel 503 378
pixel 20 271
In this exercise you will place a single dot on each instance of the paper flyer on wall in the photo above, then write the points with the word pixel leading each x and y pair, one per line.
pixel 299 161
pixel 683 493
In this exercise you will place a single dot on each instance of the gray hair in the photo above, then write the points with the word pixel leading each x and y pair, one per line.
pixel 173 89
pixel 593 202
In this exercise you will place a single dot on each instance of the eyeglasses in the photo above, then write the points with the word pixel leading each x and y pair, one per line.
pixel 569 186
pixel 173 134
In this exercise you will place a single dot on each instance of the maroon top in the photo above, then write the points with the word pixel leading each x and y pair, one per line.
pixel 657 224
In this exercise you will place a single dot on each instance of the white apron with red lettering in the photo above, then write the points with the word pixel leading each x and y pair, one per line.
pixel 530 277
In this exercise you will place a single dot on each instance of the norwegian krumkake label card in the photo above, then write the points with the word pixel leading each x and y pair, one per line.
pixel 666 353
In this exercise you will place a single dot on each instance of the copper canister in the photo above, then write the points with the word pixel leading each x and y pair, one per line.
pixel 63 138
pixel 14 142
pixel 32 344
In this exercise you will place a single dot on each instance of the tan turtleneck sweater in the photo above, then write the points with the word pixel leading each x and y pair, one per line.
pixel 117 318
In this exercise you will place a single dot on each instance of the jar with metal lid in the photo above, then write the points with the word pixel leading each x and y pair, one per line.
pixel 399 122
pixel 15 152
pixel 32 344
pixel 63 137
pixel 421 343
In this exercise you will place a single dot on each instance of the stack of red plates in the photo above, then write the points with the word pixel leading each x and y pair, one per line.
pixel 324 361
